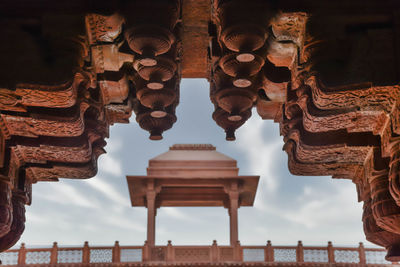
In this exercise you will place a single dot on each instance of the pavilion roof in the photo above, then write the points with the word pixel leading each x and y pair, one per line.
pixel 192 160
pixel 192 175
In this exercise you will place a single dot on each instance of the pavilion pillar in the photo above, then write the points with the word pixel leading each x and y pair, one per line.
pixel 151 214
pixel 233 213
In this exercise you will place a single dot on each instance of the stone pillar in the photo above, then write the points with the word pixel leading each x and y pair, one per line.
pixel 233 213
pixel 151 214
pixel 54 254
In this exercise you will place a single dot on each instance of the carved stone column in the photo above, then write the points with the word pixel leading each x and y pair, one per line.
pixel 233 193
pixel 151 214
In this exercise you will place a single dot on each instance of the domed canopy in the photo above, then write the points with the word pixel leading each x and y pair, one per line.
pixel 194 161
pixel 192 175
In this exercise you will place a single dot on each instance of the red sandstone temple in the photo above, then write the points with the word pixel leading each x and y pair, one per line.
pixel 327 71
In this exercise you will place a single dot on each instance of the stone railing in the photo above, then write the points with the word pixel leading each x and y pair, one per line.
pixel 117 254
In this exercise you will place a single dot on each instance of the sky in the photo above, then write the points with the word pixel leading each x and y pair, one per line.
pixel 287 208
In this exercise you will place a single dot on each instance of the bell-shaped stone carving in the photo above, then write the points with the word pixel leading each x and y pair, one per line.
pixel 244 39
pixel 235 101
pixel 157 74
pixel 220 78
pixel 150 27
pixel 244 26
pixel 241 71
pixel 379 236
pixel 149 42
pixel 156 100
pixel 220 116
pixel 156 126
pixel 384 208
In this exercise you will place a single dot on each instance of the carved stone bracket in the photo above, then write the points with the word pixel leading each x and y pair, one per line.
pixel 54 130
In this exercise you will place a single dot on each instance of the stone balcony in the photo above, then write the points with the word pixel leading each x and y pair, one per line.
pixel 213 255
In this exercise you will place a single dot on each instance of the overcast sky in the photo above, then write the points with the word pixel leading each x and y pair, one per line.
pixel 287 208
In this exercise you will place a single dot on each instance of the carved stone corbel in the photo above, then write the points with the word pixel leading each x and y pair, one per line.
pixel 103 29
pixel 6 209
pixel 384 208
pixel 18 222
pixel 379 236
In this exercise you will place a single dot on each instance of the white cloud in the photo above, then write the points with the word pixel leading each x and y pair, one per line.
pixel 35 218
pixel 114 144
pixel 259 152
pixel 320 207
pixel 108 190
pixel 121 223
pixel 110 165
pixel 65 194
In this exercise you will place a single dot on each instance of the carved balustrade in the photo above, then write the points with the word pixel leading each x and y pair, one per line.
pixel 206 255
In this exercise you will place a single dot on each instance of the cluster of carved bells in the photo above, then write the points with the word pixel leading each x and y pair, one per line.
pixel 241 44
pixel 156 80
